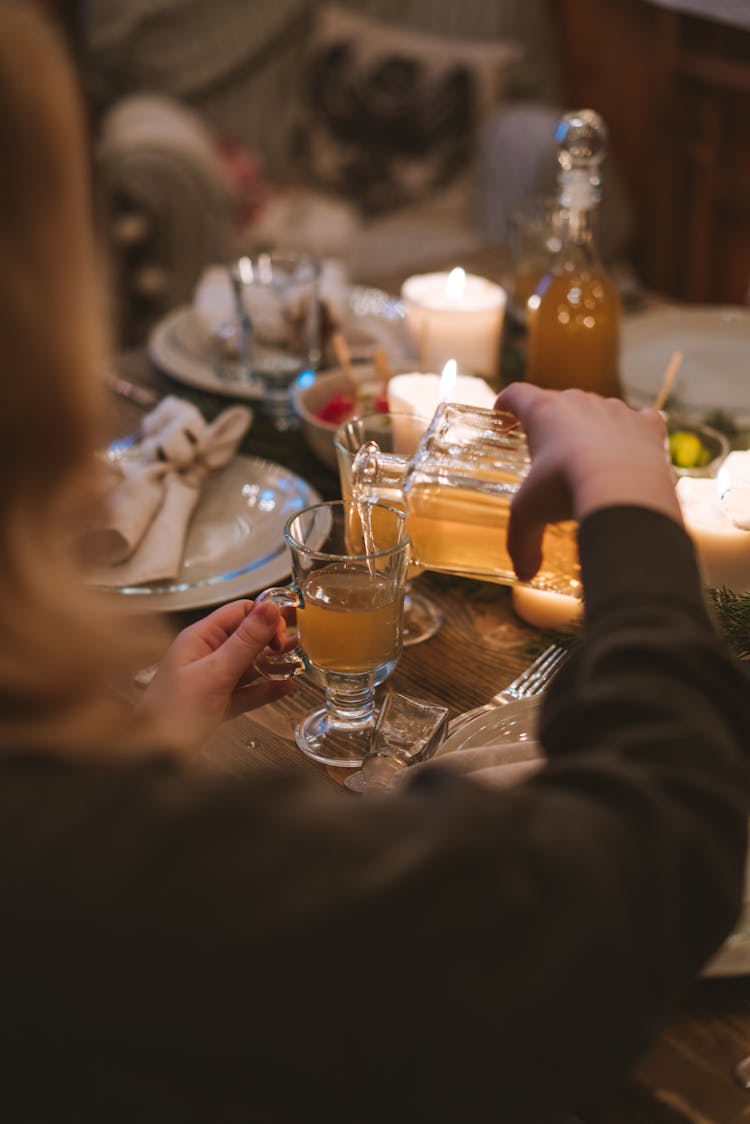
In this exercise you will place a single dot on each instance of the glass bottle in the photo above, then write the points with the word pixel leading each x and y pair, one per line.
pixel 573 315
pixel 456 490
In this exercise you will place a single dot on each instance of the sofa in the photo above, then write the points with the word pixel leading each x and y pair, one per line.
pixel 387 134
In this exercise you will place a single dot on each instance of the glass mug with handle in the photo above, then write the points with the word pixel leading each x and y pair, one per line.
pixel 348 577
pixel 398 434
pixel 457 489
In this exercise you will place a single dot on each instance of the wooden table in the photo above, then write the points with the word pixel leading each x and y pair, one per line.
pixel 688 1074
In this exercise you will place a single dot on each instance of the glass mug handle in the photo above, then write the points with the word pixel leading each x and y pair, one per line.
pixel 279 666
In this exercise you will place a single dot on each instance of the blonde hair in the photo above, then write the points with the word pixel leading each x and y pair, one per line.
pixel 61 646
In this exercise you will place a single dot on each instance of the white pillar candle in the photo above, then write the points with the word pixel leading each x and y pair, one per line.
pixel 455 315
pixel 407 431
pixel 717 518
pixel 545 609
pixel 415 393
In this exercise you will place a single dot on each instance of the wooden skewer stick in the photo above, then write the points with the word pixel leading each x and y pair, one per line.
pixel 343 358
pixel 382 367
pixel 670 374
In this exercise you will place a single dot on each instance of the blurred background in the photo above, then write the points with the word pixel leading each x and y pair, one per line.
pixel 396 135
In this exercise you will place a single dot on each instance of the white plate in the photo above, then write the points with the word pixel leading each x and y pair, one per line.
pixel 176 347
pixel 370 318
pixel 235 544
pixel 510 722
pixel 517 721
pixel 715 369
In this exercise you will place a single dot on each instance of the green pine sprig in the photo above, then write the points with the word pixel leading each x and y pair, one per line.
pixel 732 613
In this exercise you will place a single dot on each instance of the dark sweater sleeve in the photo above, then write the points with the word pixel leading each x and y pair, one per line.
pixel 269 949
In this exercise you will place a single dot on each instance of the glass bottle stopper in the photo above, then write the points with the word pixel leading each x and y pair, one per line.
pixel 581 147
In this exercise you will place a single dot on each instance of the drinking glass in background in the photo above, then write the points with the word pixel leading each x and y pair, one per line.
pixel 279 293
pixel 535 238
pixel 400 434
pixel 259 320
pixel 347 589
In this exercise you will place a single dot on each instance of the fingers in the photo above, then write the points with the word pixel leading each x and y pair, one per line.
pixel 542 498
pixel 208 633
pixel 262 626
pixel 656 419
pixel 518 397
pixel 259 693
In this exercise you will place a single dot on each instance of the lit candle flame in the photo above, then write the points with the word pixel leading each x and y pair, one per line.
pixel 723 482
pixel 455 284
pixel 448 380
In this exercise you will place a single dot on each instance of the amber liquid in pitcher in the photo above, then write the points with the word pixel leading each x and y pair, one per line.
pixel 458 531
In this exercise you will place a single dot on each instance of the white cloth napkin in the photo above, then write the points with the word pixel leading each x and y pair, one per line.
pixel 151 493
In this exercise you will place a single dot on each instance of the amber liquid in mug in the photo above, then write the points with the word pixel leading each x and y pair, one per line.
pixel 351 620
pixel 573 322
pixel 377 521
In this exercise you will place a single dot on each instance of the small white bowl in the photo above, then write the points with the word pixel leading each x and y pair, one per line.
pixel 310 395
pixel 715 442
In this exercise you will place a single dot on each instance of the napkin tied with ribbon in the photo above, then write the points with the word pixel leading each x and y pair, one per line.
pixel 151 493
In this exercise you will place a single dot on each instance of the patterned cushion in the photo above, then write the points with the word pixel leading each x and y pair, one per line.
pixel 389 115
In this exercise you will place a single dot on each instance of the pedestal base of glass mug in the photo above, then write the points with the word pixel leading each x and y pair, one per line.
pixel 339 733
pixel 422 617
pixel 277 373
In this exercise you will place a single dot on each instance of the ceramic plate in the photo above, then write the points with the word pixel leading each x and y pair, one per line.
pixel 517 721
pixel 369 318
pixel 235 545
pixel 510 722
pixel 177 347
pixel 715 370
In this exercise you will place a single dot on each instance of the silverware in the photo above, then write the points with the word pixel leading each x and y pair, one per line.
pixel 140 395
pixel 240 274
pixel 533 681
pixel 144 398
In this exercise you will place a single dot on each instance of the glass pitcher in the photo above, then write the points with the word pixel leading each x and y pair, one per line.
pixel 456 490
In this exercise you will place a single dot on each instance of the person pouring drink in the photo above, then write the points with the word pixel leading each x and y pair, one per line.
pixel 171 938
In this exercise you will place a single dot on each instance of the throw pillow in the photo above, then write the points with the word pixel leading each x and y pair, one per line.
pixel 389 115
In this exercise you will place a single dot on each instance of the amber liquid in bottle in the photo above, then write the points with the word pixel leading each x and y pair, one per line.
pixel 573 323
pixel 573 315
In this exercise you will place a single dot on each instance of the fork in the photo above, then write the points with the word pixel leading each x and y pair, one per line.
pixel 533 681
pixel 143 397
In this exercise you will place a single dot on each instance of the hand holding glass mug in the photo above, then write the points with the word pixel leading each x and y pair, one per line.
pixel 348 577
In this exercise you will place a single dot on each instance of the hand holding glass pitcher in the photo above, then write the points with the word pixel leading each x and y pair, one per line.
pixel 457 489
